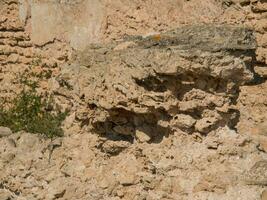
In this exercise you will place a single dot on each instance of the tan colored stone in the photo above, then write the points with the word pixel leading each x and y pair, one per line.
pixel 262 71
pixel 104 183
pixel 183 121
pixel 13 58
pixel 124 45
pixel 260 129
pixel 261 25
pixel 205 125
pixel 57 189
pixel 4 132
pixel 263 40
pixel 259 6
pixel 4 195
pixel 257 175
pixel 7 157
pixel 142 136
pixel 124 130
pixel 185 83
pixel 264 195
pixel 126 179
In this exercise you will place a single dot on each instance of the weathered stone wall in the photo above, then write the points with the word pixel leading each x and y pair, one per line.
pixel 186 79
pixel 133 90
pixel 77 22
pixel 41 23
pixel 81 22
pixel 19 52
pixel 42 34
pixel 15 45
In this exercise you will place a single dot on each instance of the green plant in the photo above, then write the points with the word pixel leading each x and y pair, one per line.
pixel 28 112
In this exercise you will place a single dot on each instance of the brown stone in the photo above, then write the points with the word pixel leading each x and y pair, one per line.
pixel 264 195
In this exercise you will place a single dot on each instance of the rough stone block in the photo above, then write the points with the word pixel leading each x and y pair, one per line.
pixel 195 71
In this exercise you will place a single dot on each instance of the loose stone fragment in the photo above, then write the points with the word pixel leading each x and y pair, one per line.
pixel 4 132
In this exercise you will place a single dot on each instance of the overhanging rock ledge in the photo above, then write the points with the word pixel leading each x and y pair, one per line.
pixel 186 79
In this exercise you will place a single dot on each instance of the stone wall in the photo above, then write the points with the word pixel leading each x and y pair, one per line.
pixel 80 22
pixel 15 43
pixel 43 34
pixel 40 23
pixel 19 52
pixel 185 79
pixel 132 91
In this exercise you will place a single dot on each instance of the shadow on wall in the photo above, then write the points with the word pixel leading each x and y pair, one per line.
pixel 123 125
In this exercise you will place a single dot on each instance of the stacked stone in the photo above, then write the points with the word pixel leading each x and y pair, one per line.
pixel 15 47
pixel 19 54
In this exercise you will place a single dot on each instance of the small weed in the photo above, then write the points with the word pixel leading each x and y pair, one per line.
pixel 28 112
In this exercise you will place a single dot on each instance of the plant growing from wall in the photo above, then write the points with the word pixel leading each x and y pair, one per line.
pixel 28 112
pixel 31 112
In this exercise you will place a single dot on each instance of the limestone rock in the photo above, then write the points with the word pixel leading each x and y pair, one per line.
pixel 259 133
pixel 264 195
pixel 142 136
pixel 183 121
pixel 127 171
pixel 257 175
pixel 114 148
pixel 126 179
pixel 4 195
pixel 260 129
pixel 56 190
pixel 7 157
pixel 176 77
pixel 259 6
pixel 4 132
pixel 205 125
pixel 212 142
pixel 134 87
pixel 262 71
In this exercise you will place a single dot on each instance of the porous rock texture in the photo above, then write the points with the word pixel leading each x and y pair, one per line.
pixel 185 79
pixel 224 165
pixel 19 53
pixel 153 105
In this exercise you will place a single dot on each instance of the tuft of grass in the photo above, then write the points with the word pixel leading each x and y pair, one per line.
pixel 29 112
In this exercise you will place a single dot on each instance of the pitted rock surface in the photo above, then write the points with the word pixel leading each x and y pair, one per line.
pixel 187 79
pixel 224 164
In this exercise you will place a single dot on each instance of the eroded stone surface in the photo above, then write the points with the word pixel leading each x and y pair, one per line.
pixel 84 165
pixel 185 79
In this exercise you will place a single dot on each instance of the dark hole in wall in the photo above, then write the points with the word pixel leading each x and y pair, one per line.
pixel 179 85
pixel 121 125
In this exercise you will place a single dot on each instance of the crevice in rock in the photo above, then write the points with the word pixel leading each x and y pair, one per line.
pixel 189 81
pixel 122 125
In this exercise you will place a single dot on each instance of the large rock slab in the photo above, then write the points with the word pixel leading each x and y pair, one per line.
pixel 147 83
pixel 77 22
